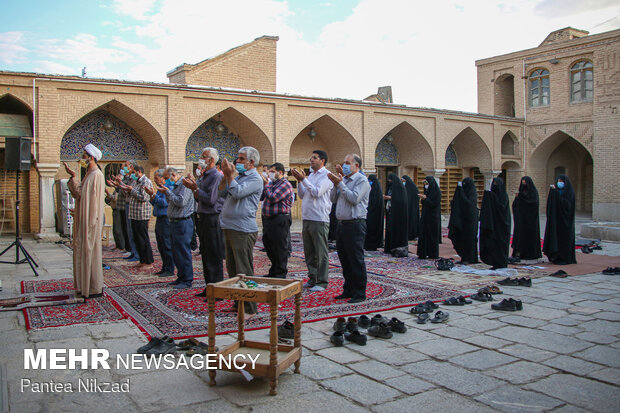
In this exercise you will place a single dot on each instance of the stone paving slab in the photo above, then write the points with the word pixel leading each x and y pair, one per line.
pixel 521 372
pixel 363 390
pixel 545 340
pixel 512 399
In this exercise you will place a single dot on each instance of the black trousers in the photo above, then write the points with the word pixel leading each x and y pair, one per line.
pixel 276 237
pixel 211 246
pixel 350 238
pixel 141 239
pixel 123 215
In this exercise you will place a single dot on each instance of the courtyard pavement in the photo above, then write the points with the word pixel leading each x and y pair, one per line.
pixel 561 353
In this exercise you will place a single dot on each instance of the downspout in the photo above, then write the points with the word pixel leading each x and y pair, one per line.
pixel 525 92
pixel 34 117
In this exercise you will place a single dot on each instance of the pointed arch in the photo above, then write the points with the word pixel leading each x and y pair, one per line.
pixel 471 150
pixel 331 137
pixel 509 143
pixel 12 105
pixel 413 148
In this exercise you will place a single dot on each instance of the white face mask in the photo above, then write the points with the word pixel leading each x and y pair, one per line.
pixel 272 176
pixel 202 163
pixel 198 171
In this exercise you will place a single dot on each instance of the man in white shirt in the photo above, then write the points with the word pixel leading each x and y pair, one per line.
pixel 314 191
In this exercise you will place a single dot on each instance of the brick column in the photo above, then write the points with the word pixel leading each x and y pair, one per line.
pixel 489 174
pixel 47 209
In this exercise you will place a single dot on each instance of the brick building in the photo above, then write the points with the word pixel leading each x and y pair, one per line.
pixel 230 101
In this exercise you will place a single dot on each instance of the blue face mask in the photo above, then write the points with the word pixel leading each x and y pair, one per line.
pixel 126 169
pixel 122 172
pixel 560 185
pixel 240 168
pixel 346 168
pixel 134 177
pixel 169 182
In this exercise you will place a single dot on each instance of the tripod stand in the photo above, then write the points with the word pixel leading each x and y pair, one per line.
pixel 18 243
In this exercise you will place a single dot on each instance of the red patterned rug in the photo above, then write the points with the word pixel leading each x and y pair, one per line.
pixel 159 310
pixel 94 310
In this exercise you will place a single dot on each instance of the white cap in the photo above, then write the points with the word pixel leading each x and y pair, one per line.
pixel 93 151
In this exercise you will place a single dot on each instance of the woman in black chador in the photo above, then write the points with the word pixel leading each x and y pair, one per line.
pixel 559 245
pixel 526 232
pixel 495 226
pixel 396 228
pixel 430 221
pixel 413 207
pixel 374 218
pixel 463 225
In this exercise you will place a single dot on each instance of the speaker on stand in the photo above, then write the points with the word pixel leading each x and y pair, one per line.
pixel 17 158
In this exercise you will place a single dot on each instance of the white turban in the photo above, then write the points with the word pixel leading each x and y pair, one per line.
pixel 93 151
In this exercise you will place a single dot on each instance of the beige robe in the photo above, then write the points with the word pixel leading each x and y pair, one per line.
pixel 87 227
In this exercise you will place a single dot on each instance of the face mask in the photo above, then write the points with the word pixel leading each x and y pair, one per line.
pixel 169 182
pixel 202 163
pixel 83 163
pixel 346 168
pixel 198 171
pixel 272 176
pixel 126 169
pixel 122 172
pixel 404 184
pixel 560 185
pixel 134 177
pixel 240 168
pixel 426 186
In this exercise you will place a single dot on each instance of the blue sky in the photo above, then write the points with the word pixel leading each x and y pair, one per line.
pixel 330 48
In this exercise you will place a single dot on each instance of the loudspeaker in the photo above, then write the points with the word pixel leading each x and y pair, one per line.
pixel 17 154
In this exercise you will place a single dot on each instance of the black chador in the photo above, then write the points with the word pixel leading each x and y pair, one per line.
pixel 396 228
pixel 430 221
pixel 526 232
pixel 495 226
pixel 413 207
pixel 374 218
pixel 463 225
pixel 559 245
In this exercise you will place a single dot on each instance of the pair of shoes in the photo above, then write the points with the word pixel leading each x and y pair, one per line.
pixel 182 286
pixel 286 330
pixel 516 282
pixel 316 288
pixel 356 337
pixel 201 294
pixel 514 260
pixel 426 307
pixel 175 282
pixel 165 346
pixel 165 274
pixel 483 295
pixel 612 271
pixel 381 330
pixel 342 296
pixel 378 319
pixel 440 317
pixel 508 304
pixel 152 343
pixel 460 300
pixel 559 274
pixel 397 326
pixel 337 338
pixel 340 324
pixel 349 325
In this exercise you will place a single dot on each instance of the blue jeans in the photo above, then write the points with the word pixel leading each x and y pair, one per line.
pixel 164 243
pixel 182 232
pixel 132 244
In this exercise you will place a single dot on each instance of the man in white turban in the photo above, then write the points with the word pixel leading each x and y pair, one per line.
pixel 87 224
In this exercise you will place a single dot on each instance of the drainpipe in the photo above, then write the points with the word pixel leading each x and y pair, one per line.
pixel 525 92
pixel 34 117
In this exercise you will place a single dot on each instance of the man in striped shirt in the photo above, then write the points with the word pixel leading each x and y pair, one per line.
pixel 276 213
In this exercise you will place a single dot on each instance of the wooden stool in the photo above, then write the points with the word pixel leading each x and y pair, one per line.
pixel 105 235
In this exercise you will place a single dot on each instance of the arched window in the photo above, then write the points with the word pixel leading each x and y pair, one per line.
pixel 451 159
pixel 539 88
pixel 508 144
pixel 581 82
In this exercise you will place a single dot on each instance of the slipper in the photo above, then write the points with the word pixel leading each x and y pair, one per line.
pixel 431 305
pixel 559 274
pixel 420 309
pixel 463 300
pixel 493 289
pixel 453 301
pixel 440 317
pixel 483 295
pixel 610 271
pixel 423 318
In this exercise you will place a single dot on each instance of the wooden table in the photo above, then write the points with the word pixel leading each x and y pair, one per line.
pixel 273 358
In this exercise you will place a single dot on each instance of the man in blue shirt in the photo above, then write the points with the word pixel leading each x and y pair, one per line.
pixel 162 225
pixel 180 209
pixel 238 216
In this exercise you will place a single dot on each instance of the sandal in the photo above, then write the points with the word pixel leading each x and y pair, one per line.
pixel 463 300
pixel 431 305
pixel 482 295
pixel 453 301
pixel 440 317
pixel 494 289
pixel 191 342
pixel 423 318
pixel 420 309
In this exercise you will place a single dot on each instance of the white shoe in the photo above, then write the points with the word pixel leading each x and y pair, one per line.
pixel 317 288
pixel 126 254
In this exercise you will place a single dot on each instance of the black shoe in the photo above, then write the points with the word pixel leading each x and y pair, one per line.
pixel 286 330
pixel 340 324
pixel 518 303
pixel 337 339
pixel 165 274
pixel 382 330
pixel 351 324
pixel 175 282
pixel 397 326
pixel 508 281
pixel 514 260
pixel 182 286
pixel 342 296
pixel 159 272
pixel 525 282
pixel 363 322
pixel 378 319
pixel 154 341
pixel 431 305
pixel 201 294
pixel 356 337
pixel 356 300
pixel 166 346
pixel 505 305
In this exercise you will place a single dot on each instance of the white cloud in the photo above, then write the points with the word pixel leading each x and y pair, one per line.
pixel 136 9
pixel 11 49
